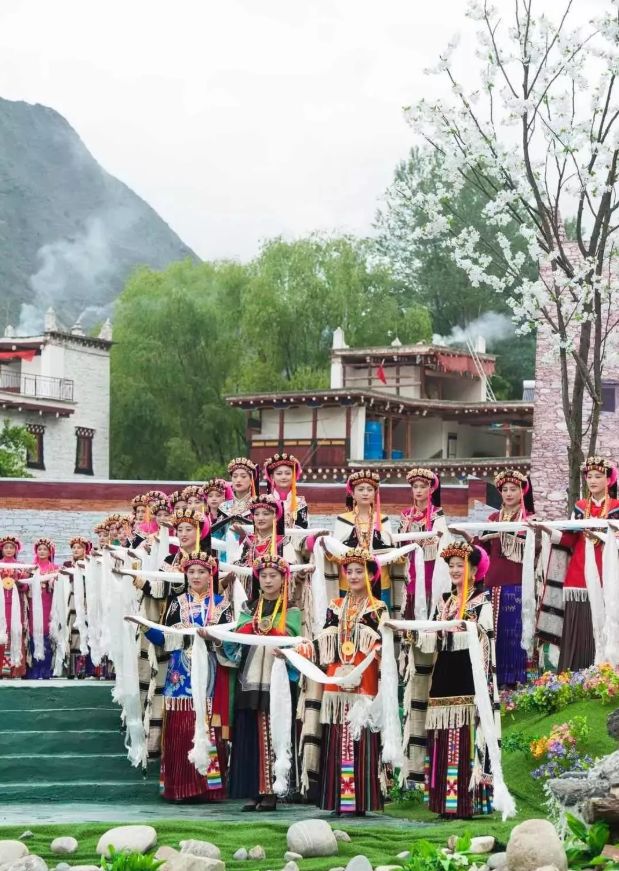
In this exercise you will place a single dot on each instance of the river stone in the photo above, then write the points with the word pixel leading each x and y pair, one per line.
pixel 25 835
pixel 10 850
pixel 241 854
pixel 535 843
pixel 258 853
pixel 64 845
pixel 188 862
pixel 290 866
pixel 482 844
pixel 497 860
pixel 201 848
pixel 405 854
pixel 85 868
pixel 547 868
pixel 62 866
pixel 612 724
pixel 135 839
pixel 341 836
pixel 165 852
pixel 359 863
pixel 388 868
pixel 291 856
pixel 312 838
pixel 26 863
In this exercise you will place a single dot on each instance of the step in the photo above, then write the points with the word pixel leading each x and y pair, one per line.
pixel 54 742
pixel 44 719
pixel 54 694
pixel 142 791
pixel 38 768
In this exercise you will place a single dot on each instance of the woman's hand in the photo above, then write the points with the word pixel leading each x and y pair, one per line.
pixel 139 583
pixel 536 524
pixel 463 533
pixel 203 632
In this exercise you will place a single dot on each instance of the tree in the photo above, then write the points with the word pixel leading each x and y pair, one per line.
pixel 15 442
pixel 537 135
pixel 427 268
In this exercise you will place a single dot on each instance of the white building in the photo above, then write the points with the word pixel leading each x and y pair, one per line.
pixel 58 386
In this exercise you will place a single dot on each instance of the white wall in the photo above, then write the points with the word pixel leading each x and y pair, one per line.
pixel 357 432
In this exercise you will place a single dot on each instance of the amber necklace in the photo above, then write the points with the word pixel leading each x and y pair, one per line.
pixel 263 625
pixel 363 529
pixel 348 627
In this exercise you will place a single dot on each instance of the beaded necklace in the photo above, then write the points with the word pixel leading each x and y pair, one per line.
pixel 364 530
pixel 263 625
pixel 603 513
pixel 348 627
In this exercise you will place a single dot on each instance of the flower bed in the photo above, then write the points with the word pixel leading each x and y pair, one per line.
pixel 553 692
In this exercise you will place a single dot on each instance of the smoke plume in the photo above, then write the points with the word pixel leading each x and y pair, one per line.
pixel 492 326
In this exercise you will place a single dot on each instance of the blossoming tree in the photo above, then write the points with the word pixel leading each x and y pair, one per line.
pixel 538 137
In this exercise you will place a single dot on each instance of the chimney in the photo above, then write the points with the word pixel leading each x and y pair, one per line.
pixel 396 343
pixel 9 332
pixel 480 345
pixel 337 367
pixel 50 324
pixel 77 329
pixel 338 339
pixel 106 331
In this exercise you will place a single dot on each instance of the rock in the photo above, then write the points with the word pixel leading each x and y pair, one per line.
pixel 164 853
pixel 612 724
pixel 137 839
pixel 341 836
pixel 188 862
pixel 405 854
pixel 242 854
pixel 497 860
pixel 452 840
pixel 482 844
pixel 85 868
pixel 25 835
pixel 359 863
pixel 535 843
pixel 611 852
pixel 291 856
pixel 290 866
pixel 338 868
pixel 388 868
pixel 312 838
pixel 201 848
pixel 257 852
pixel 62 866
pixel 63 845
pixel 10 850
pixel 547 868
pixel 571 791
pixel 26 863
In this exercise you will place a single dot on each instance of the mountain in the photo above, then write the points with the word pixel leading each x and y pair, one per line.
pixel 70 233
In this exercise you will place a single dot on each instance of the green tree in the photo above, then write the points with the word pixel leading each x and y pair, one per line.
pixel 427 269
pixel 15 442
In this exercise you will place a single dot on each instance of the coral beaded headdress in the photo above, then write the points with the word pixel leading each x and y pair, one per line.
pixel 250 467
pixel 365 558
pixel 289 460
pixel 201 558
pixel 11 539
pixel 365 476
pixel 267 561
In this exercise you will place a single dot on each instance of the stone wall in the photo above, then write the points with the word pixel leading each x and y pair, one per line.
pixel 549 463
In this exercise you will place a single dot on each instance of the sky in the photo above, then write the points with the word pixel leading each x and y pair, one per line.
pixel 237 120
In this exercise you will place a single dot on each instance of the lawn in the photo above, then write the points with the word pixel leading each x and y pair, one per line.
pixel 379 843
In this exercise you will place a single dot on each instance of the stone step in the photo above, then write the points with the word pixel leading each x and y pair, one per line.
pixel 47 719
pixel 53 742
pixel 142 791
pixel 41 768
pixel 54 694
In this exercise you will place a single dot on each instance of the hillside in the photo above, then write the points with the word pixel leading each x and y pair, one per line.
pixel 70 233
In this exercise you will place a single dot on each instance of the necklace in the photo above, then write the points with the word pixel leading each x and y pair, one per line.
pixel 603 513
pixel 348 627
pixel 263 625
pixel 363 529
pixel 512 545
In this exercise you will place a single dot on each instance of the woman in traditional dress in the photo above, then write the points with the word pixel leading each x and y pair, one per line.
pixel 363 525
pixel 251 763
pixel 199 606
pixel 504 578
pixel 577 648
pixel 9 581
pixel 458 781
pixel 79 664
pixel 350 767
pixel 177 503
pixel 424 515
pixel 44 552
pixel 195 497
pixel 216 491
pixel 282 473
pixel 244 482
pixel 161 511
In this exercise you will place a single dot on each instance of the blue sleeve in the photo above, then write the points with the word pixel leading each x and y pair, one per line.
pixel 156 636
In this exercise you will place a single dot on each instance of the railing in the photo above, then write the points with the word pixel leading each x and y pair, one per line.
pixel 36 386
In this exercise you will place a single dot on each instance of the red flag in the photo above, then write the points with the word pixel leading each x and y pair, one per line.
pixel 380 373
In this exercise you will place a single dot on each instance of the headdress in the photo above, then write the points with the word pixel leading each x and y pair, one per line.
pixel 49 544
pixel 519 479
pixel 218 484
pixel 271 504
pixel 156 496
pixel 140 499
pixel 291 462
pixel 366 559
pixel 201 522
pixel 602 464
pixel 161 505
pixel 193 490
pixel 175 497
pixel 204 559
pixel 250 467
pixel 79 539
pixel 267 561
pixel 110 520
pixel 12 539
pixel 473 555
pixel 365 476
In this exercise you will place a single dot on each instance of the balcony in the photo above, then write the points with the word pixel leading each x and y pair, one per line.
pixel 36 386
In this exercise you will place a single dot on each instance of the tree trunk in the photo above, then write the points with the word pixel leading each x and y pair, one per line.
pixel 606 809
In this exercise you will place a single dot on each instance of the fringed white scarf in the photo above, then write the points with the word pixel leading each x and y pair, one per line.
pixel 503 801
pixel 528 593
pixel 610 573
pixel 385 708
pixel 80 608
pixel 92 588
pixel 37 616
pixel 319 590
pixel 202 747
pixel 596 598
pixel 280 717
pixel 14 642
pixel 59 622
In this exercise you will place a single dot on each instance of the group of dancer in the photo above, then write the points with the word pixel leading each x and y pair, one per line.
pixel 266 645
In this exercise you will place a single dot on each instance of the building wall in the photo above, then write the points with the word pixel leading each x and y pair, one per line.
pixel 549 465
pixel 357 432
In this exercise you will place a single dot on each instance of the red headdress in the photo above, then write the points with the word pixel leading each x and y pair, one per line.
pixel 601 464
pixel 49 544
pixel 473 555
pixel 420 473
pixel 250 467
pixel 193 490
pixel 519 479
pixel 79 539
pixel 365 558
pixel 270 503
pixel 11 539
pixel 291 462
pixel 220 486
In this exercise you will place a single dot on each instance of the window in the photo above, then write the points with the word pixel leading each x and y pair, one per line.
pixel 83 451
pixel 34 457
pixel 608 396
pixel 452 445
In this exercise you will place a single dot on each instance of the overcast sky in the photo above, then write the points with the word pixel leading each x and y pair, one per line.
pixel 236 119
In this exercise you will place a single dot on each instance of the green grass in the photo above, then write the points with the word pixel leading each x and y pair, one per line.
pixel 379 844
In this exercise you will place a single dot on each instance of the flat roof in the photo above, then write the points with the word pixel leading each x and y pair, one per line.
pixel 393 352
